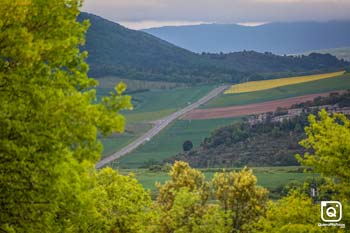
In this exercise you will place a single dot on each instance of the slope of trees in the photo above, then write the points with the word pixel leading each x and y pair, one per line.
pixel 266 143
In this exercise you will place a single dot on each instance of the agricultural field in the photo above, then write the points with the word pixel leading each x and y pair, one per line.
pixel 156 104
pixel 271 178
pixel 250 109
pixel 169 141
pixel 324 85
pixel 134 85
pixel 149 106
pixel 273 83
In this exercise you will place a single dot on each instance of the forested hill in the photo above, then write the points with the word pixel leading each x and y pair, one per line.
pixel 280 38
pixel 274 141
pixel 117 51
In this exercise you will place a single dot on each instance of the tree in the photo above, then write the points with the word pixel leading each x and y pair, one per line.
pixel 187 146
pixel 293 214
pixel 328 138
pixel 243 202
pixel 189 214
pixel 121 201
pixel 182 176
pixel 49 119
pixel 182 206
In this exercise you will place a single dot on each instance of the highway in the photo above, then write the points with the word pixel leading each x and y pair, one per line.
pixel 159 126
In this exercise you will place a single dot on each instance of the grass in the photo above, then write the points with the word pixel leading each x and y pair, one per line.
pixel 169 142
pixel 273 83
pixel 148 116
pixel 115 142
pixel 159 100
pixel 111 81
pixel 324 85
pixel 150 106
pixel 268 177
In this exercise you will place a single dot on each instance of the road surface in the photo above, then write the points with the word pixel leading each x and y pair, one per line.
pixel 159 126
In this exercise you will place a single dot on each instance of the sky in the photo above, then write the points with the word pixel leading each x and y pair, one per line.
pixel 140 14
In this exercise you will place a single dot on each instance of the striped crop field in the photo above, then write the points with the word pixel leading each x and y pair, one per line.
pixel 273 83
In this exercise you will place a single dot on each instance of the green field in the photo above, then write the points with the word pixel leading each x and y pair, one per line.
pixel 268 177
pixel 150 106
pixel 319 86
pixel 114 142
pixel 133 84
pixel 169 141
pixel 155 104
pixel 158 100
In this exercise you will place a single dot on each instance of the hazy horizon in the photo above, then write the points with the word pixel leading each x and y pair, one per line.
pixel 143 14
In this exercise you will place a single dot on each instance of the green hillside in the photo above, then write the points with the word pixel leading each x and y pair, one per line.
pixel 123 53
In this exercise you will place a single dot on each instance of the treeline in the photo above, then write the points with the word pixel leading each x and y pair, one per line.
pixel 342 100
pixel 124 53
pixel 265 143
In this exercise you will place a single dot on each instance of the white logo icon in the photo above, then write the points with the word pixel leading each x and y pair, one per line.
pixel 331 211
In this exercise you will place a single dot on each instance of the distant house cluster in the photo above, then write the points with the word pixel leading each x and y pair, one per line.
pixel 281 114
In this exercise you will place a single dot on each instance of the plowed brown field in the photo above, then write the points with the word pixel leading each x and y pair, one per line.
pixel 249 109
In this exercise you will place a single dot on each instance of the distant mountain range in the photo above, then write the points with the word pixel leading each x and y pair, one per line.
pixel 123 53
pixel 279 38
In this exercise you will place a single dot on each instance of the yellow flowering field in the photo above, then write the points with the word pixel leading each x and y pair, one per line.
pixel 268 84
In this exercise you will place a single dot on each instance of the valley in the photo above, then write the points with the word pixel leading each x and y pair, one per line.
pixel 174 116
pixel 157 104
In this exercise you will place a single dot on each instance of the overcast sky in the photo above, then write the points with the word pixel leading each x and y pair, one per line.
pixel 153 13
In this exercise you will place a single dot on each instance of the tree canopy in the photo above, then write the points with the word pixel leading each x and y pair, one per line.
pixel 48 117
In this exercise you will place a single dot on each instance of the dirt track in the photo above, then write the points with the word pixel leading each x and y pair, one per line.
pixel 249 109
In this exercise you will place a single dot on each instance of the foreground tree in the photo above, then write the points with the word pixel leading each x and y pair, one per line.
pixel 293 214
pixel 121 202
pixel 328 137
pixel 48 120
pixel 242 201
pixel 182 206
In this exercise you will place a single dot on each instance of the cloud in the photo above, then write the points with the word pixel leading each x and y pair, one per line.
pixel 221 11
pixel 144 24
